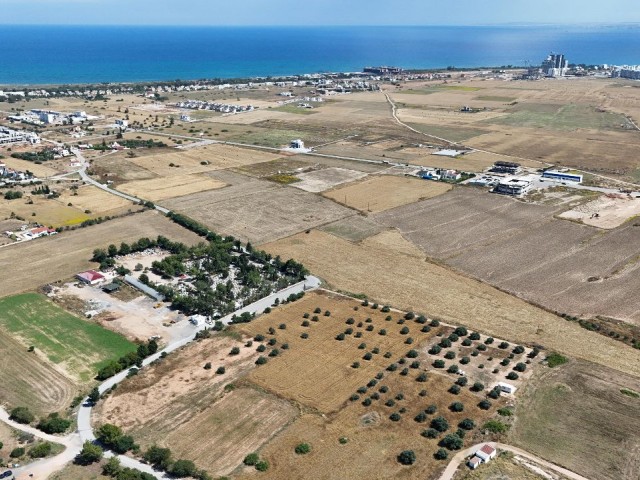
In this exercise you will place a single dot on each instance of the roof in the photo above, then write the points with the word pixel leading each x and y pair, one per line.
pixel 488 449
pixel 90 276
pixel 475 460
pixel 36 231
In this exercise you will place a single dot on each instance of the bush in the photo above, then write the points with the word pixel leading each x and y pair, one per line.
pixel 282 326
pixel 41 450
pixel 430 433
pixel 467 424
pixel 407 457
pixel 555 359
pixel 520 367
pixel 415 364
pixel 451 442
pixel 262 466
pixel 466 342
pixel 425 329
pixel 390 402
pixel 340 337
pixel 435 350
pixel 474 336
pixel 462 381
pixel 158 457
pixel 53 424
pixel 441 454
pixel 438 364
pixel 17 452
pixel 183 468
pixel 453 337
pixel 484 405
pixel 452 369
pixel 382 332
pixel 450 355
pixel 234 351
pixel 421 417
pixel 304 336
pixel 503 345
pixel 261 348
pixel 518 350
pixel 440 424
pixel 431 409
pixel 89 454
pixel 404 330
pixel 512 376
pixel 404 372
pixel 445 343
pixel 455 389
pixel 22 415
pixel 495 426
pixel 421 378
pixel 302 448
pixel 383 389
pixel 465 360
pixel 355 365
pixel 395 417
pixel 477 387
pixel 456 407
pixel 221 371
pixel 505 412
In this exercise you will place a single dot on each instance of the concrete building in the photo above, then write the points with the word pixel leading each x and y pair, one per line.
pixel 9 136
pixel 474 462
pixel 486 453
pixel 555 65
pixel 506 167
pixel 514 186
pixel 562 176
pixel 90 277
pixel 297 144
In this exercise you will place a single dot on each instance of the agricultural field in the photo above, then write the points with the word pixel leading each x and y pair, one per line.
pixel 77 346
pixel 577 416
pixel 50 212
pixel 612 211
pixel 384 192
pixel 163 188
pixel 62 256
pixel 325 179
pixel 29 379
pixel 354 228
pixel 158 406
pixel 569 267
pixel 402 277
pixel 342 347
pixel 257 210
pixel 97 201
pixel 78 472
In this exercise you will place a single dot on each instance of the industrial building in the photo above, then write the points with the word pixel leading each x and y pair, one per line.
pixel 515 187
pixel 555 65
pixel 506 167
pixel 562 176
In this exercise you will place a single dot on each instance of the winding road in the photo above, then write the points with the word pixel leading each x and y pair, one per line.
pixel 42 469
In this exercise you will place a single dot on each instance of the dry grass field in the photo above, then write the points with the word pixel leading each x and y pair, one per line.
pixel 576 416
pixel 568 267
pixel 384 192
pixel 507 467
pixel 63 255
pixel 257 210
pixel 324 179
pixel 30 380
pixel 179 404
pixel 97 201
pixel 354 228
pixel 50 212
pixel 317 373
pixel 177 185
pixel 407 281
pixel 238 424
pixel 41 171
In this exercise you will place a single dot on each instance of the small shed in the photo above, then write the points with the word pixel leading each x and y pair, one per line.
pixel 474 462
pixel 111 287
pixel 507 388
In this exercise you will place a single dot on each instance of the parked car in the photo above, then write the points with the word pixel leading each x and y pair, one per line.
pixel 6 474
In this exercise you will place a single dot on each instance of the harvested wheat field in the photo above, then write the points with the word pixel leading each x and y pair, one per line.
pixel 410 282
pixel 218 438
pixel 63 255
pixel 584 417
pixel 201 159
pixel 384 192
pixel 39 170
pixel 168 187
pixel 50 212
pixel 97 201
pixel 257 210
pixel 29 379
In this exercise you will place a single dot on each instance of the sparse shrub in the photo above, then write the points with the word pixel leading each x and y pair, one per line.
pixel 453 369
pixel 440 424
pixel 221 371
pixel 461 331
pixel 435 350
pixel 467 424
pixel 450 355
pixel 477 387
pixel 455 389
pixel 395 417
pixel 474 336
pixel 451 442
pixel 422 377
pixel 520 367
pixel 438 364
pixel 421 417
pixel 234 351
pixel 407 457
pixel 425 329
pixel 503 345
pixel 207 366
pixel 518 350
pixel 512 376
pixel 404 330
pixel 465 360
pixel 304 336
pixel 441 454
pixel 302 448
pixel 261 360
pixel 382 332
pixel 484 405
pixel 430 433
pixel 462 381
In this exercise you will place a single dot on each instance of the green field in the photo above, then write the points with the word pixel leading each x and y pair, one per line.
pixel 79 346
pixel 555 117
pixel 495 98
pixel 294 108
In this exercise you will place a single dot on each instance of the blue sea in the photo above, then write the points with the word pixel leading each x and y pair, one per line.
pixel 79 54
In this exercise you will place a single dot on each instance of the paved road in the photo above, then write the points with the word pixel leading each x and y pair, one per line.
pixel 73 442
pixel 463 454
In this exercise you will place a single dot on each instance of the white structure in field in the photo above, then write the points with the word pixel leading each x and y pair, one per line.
pixel 506 388
pixel 486 453
pixel 514 186
pixel 9 136
pixel 297 144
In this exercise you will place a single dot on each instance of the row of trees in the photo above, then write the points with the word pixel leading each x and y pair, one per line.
pixel 51 424
pixel 130 359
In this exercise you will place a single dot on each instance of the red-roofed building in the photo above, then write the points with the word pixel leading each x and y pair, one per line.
pixel 486 453
pixel 41 231
pixel 90 277
pixel 474 462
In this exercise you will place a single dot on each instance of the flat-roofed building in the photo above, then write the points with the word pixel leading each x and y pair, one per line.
pixel 514 186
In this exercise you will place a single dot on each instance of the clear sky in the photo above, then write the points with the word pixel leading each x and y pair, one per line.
pixel 323 12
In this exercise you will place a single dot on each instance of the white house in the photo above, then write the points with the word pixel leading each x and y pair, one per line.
pixel 474 462
pixel 297 144
pixel 486 453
